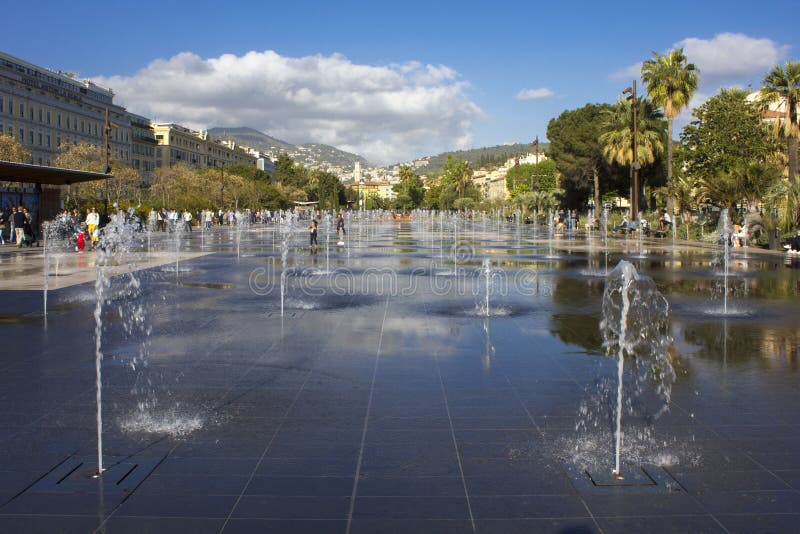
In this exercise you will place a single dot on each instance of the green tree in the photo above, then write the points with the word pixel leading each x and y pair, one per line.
pixel 575 147
pixel 11 150
pixel 727 133
pixel 671 81
pixel 432 195
pixel 782 84
pixel 410 190
pixel 542 177
pixel 447 196
pixel 121 187
pixel 290 173
pixel 464 203
pixel 457 173
pixel 616 138
pixel 785 198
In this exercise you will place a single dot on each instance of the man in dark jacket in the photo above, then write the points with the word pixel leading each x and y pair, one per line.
pixel 19 226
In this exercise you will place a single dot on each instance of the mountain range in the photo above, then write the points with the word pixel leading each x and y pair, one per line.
pixel 309 154
pixel 331 158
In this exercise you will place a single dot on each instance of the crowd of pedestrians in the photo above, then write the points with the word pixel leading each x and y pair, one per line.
pixel 82 228
pixel 21 227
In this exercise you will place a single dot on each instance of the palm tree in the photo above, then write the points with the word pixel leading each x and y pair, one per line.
pixel 616 139
pixel 782 85
pixel 671 82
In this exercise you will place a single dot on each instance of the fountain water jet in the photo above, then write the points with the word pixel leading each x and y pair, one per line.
pixel 724 230
pixel 117 242
pixel 634 327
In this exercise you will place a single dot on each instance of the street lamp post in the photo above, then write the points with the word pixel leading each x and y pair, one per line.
pixel 107 169
pixel 635 164
pixel 536 147
pixel 222 185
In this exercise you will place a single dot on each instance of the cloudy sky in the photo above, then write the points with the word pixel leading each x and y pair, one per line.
pixel 391 82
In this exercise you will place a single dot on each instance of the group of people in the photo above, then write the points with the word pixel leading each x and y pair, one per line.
pixel 313 229
pixel 21 227
pixel 82 229
pixel 626 226
pixel 643 225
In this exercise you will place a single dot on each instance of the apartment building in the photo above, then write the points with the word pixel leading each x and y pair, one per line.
pixel 178 144
pixel 143 144
pixel 44 110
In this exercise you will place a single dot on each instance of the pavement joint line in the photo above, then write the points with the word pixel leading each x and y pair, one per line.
pixel 274 434
pixel 366 423
pixel 452 432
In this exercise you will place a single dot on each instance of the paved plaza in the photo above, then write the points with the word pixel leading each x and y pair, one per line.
pixel 374 392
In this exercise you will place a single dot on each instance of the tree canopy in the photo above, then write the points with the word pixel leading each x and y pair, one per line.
pixel 727 132
pixel 575 147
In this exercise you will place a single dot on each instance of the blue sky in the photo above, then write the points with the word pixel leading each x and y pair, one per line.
pixel 391 80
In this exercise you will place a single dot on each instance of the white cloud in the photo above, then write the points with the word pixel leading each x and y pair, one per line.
pixel 628 73
pixel 732 56
pixel 385 113
pixel 725 59
pixel 535 94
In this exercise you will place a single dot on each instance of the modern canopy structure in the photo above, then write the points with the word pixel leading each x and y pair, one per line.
pixel 41 202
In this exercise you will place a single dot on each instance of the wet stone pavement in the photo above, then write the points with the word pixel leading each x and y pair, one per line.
pixel 384 400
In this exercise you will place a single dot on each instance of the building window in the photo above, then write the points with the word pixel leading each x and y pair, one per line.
pixel 21 135
pixel 10 106
pixel 41 138
pixel 22 110
pixel 48 140
pixel 58 141
pixel 67 122
pixel 48 117
pixel 30 113
pixel 30 135
pixel 41 115
pixel 58 120
pixel 2 100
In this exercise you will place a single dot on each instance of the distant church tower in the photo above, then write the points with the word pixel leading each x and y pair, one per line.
pixel 357 172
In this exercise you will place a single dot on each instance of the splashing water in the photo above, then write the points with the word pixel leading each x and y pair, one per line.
pixel 724 231
pixel 173 422
pixel 635 329
pixel 117 243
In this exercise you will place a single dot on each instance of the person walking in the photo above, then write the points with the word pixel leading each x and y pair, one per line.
pixel 340 225
pixel 92 222
pixel 11 235
pixel 313 234
pixel 27 227
pixel 18 221
pixel 2 227
pixel 340 228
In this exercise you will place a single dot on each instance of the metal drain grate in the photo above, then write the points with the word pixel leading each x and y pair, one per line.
pixel 78 475
pixel 286 315
pixel 645 478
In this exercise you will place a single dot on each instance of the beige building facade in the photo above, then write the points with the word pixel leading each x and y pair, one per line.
pixel 491 184
pixel 44 110
pixel 178 144
pixel 143 145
